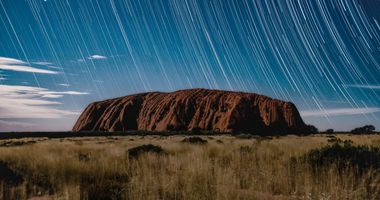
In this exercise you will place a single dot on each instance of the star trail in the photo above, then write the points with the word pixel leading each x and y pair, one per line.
pixel 56 56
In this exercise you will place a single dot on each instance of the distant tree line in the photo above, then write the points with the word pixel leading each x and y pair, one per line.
pixel 330 130
pixel 364 129
pixel 367 129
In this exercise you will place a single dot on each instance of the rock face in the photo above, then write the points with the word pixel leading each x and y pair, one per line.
pixel 193 110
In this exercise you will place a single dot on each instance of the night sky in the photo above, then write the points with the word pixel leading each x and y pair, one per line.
pixel 57 56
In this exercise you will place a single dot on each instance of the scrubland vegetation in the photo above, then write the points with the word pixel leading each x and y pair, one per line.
pixel 176 167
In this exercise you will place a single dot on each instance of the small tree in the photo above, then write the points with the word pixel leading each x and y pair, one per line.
pixel 312 129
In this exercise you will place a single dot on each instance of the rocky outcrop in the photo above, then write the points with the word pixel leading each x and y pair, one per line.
pixel 193 110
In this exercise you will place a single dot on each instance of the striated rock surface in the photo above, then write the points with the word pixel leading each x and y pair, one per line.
pixel 193 110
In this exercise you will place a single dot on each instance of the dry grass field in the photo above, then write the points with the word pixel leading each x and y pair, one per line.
pixel 226 167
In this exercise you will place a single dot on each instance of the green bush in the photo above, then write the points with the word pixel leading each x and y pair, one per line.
pixel 194 140
pixel 137 151
pixel 345 155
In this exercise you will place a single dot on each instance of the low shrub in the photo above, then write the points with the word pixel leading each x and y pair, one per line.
pixel 244 136
pixel 256 137
pixel 344 155
pixel 194 140
pixel 137 151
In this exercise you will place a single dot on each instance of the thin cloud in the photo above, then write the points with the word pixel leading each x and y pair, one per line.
pixel 64 85
pixel 21 66
pixel 32 102
pixel 42 63
pixel 35 91
pixel 6 125
pixel 53 94
pixel 97 57
pixel 338 112
pixel 11 61
pixel 362 86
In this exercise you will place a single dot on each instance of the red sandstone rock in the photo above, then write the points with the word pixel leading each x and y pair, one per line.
pixel 193 110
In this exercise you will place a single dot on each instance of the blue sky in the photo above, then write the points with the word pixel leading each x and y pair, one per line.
pixel 58 56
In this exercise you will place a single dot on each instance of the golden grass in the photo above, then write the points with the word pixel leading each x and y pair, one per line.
pixel 225 168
